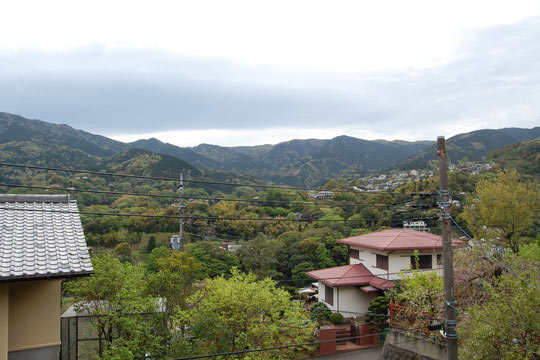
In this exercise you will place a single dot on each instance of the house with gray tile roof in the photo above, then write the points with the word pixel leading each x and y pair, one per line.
pixel 41 244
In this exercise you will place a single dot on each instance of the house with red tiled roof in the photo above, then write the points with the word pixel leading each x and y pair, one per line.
pixel 374 261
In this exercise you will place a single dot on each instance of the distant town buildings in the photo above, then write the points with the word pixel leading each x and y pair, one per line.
pixel 391 181
pixel 394 179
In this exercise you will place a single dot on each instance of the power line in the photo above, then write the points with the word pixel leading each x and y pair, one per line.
pixel 195 181
pixel 210 217
pixel 359 276
pixel 494 196
pixel 204 237
pixel 387 315
pixel 283 346
pixel 494 259
pixel 215 233
pixel 166 196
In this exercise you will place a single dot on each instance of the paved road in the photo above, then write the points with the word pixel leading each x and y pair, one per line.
pixel 365 354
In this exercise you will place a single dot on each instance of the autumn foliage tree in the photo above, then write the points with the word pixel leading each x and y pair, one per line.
pixel 501 210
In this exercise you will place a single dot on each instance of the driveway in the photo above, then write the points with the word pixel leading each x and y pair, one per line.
pixel 364 354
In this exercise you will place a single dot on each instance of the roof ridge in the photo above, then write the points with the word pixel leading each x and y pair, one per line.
pixel 32 198
pixel 395 237
pixel 350 266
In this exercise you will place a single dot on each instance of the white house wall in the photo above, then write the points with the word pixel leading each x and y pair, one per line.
pixel 397 260
pixel 320 296
pixel 348 300
pixel 368 257
pixel 352 301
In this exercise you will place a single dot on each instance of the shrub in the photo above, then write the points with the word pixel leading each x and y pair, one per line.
pixel 336 318
pixel 320 313
pixel 151 244
pixel 378 306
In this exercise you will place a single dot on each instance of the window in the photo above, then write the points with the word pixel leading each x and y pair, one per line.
pixel 355 254
pixel 424 262
pixel 439 260
pixel 329 295
pixel 382 262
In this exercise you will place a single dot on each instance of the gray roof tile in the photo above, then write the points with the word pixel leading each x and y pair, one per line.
pixel 38 244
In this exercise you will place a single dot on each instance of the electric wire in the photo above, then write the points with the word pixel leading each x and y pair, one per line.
pixel 35 167
pixel 211 217
pixel 282 346
pixel 357 276
pixel 215 233
pixel 171 196
pixel 494 259
pixel 204 236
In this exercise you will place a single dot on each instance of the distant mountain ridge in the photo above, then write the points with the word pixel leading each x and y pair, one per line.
pixel 474 146
pixel 298 162
pixel 309 162
pixel 38 142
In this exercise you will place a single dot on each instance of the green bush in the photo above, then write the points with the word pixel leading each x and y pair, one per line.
pixel 336 318
pixel 378 307
pixel 320 313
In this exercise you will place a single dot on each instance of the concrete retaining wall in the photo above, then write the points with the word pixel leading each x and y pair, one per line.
pixel 400 346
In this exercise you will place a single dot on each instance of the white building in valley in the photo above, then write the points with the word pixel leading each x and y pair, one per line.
pixel 374 261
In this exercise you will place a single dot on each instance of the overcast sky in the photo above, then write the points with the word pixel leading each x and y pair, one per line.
pixel 253 72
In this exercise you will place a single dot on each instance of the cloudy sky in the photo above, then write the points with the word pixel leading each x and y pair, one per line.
pixel 253 72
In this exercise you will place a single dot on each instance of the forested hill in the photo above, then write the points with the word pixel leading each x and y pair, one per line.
pixel 309 162
pixel 524 156
pixel 15 128
pixel 297 162
pixel 37 142
pixel 474 145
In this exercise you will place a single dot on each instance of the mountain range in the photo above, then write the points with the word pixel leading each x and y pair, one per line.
pixel 308 162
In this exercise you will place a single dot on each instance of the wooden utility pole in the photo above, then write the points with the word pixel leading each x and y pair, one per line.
pixel 448 257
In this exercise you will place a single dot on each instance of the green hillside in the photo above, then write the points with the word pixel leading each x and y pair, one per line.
pixel 474 146
pixel 523 156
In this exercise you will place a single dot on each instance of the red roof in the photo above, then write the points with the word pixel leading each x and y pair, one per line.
pixel 350 275
pixel 397 239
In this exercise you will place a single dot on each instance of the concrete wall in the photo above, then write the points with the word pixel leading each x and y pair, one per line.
pixel 397 260
pixel 34 319
pixel 4 320
pixel 399 345
pixel 348 300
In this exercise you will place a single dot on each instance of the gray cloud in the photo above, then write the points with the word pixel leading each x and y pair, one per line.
pixel 492 82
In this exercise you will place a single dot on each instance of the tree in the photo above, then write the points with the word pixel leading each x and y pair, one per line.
pixel 155 255
pixel 123 252
pixel 320 313
pixel 242 313
pixel 259 256
pixel 421 293
pixel 175 278
pixel 507 326
pixel 114 296
pixel 217 261
pixel 151 244
pixel 377 311
pixel 500 211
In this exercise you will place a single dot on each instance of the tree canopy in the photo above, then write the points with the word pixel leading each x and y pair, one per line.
pixel 244 313
pixel 501 210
